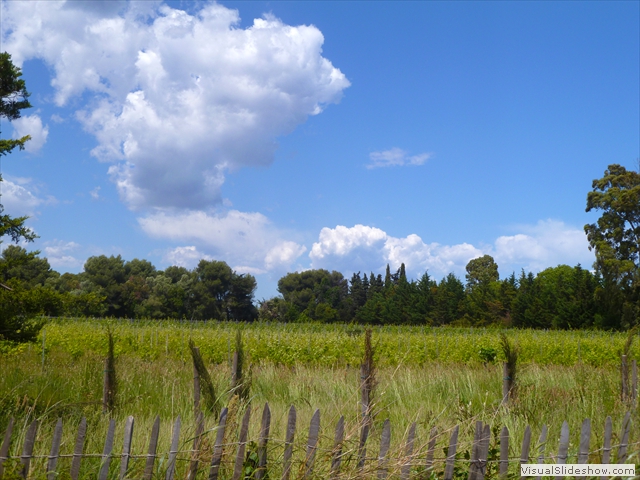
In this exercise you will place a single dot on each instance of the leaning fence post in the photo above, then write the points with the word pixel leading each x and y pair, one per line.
pixel 4 449
pixel 312 444
pixel 288 443
pixel 542 442
pixel 624 438
pixel 634 380
pixel 197 441
pixel 77 449
pixel 262 442
pixel 408 453
pixel 242 444
pixel 526 445
pixel 218 447
pixel 431 448
pixel 126 447
pixel 106 452
pixel 153 446
pixel 27 449
pixel 385 442
pixel 336 456
pixel 451 454
pixel 624 375
pixel 606 447
pixel 504 452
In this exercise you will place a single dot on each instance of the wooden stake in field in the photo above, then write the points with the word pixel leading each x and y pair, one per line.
pixel 109 385
pixel 509 368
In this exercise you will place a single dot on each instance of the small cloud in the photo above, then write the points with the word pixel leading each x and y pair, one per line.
pixel 55 118
pixel 396 157
pixel 17 198
pixel 95 193
pixel 58 253
pixel 31 125
pixel 188 256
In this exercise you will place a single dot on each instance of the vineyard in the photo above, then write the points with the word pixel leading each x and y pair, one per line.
pixel 435 377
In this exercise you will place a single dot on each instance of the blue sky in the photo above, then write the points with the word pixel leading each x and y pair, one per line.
pixel 282 136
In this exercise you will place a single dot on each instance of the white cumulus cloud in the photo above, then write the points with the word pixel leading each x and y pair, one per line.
pixel 187 257
pixel 17 197
pixel 248 242
pixel 31 125
pixel 60 254
pixel 396 157
pixel 177 99
pixel 533 248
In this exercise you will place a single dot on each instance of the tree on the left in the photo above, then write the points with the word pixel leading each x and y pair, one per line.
pixel 16 306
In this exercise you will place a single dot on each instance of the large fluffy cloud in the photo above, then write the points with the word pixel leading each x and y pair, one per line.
pixel 31 125
pixel 363 248
pixel 247 241
pixel 178 99
pixel 17 197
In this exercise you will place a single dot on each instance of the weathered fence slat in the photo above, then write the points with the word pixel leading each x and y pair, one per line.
pixel 473 465
pixel 624 375
pixel 634 380
pixel 55 451
pixel 526 446
pixel 312 444
pixel 563 448
pixel 106 452
pixel 153 447
pixel 451 453
pixel 408 453
pixel 288 443
pixel 27 449
pixel 4 449
pixel 78 448
pixel 217 446
pixel 196 385
pixel 195 451
pixel 504 452
pixel 483 452
pixel 431 448
pixel 336 456
pixel 606 446
pixel 262 442
pixel 242 443
pixel 385 443
pixel 542 443
pixel 585 438
pixel 173 452
pixel 624 438
pixel 126 447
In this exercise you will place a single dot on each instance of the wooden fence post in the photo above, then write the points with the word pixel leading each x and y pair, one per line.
pixel 385 443
pixel 4 448
pixel 542 443
pixel 504 452
pixel 126 447
pixel 78 448
pixel 197 441
pixel 451 453
pixel 606 447
pixel 336 456
pixel 624 375
pixel 55 451
pixel 153 447
pixel 106 452
pixel 624 438
pixel 526 446
pixel 408 453
pixel 288 443
pixel 218 447
pixel 173 452
pixel 431 448
pixel 27 449
pixel 262 443
pixel 312 444
pixel 242 444
pixel 483 452
pixel 563 448
pixel 196 386
pixel 634 380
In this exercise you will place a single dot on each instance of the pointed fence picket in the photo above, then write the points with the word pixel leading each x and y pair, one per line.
pixel 410 464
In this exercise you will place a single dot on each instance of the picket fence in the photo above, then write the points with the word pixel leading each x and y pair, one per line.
pixel 413 463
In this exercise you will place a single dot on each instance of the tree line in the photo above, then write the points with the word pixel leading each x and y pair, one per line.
pixel 561 297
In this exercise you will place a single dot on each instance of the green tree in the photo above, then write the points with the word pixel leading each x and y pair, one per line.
pixel 483 291
pixel 16 313
pixel 13 98
pixel 615 237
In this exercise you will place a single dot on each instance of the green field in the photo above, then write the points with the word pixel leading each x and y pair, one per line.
pixel 437 377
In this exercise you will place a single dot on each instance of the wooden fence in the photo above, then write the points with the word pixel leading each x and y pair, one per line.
pixel 411 462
